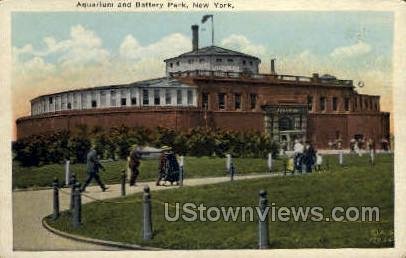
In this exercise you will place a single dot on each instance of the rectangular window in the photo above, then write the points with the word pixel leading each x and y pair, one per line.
pixel 190 61
pixel 251 63
pixel 237 101
pixel 177 63
pixel 157 99
pixel 346 104
pixel 50 100
pixel 123 102
pixel 366 103
pixel 219 60
pixel 201 60
pixel 322 103
pixel 179 97
pixel 94 103
pixel 335 103
pixel 145 97
pixel 205 100
pixel 133 101
pixel 168 97
pixel 244 62
pixel 170 65
pixel 222 101
pixel 309 103
pixel 230 60
pixel 189 97
pixel 253 101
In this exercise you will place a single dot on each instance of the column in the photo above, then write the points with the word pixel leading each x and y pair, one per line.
pixel 128 96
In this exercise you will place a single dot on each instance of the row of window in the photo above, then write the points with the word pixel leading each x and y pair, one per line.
pixel 221 101
pixel 367 104
pixel 63 101
pixel 218 60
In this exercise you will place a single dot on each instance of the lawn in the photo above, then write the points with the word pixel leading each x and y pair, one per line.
pixel 42 176
pixel 356 184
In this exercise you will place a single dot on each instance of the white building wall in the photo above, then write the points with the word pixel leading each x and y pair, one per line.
pixel 211 64
pixel 83 99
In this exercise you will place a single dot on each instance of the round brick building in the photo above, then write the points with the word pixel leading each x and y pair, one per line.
pixel 217 87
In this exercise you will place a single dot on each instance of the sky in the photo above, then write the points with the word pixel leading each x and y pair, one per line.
pixel 58 51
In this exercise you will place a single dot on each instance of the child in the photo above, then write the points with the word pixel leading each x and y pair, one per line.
pixel 319 161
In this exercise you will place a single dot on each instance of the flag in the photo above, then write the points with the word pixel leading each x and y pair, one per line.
pixel 206 17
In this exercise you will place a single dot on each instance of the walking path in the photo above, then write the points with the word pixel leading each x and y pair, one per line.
pixel 29 207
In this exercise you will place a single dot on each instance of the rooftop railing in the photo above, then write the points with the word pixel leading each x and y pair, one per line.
pixel 262 77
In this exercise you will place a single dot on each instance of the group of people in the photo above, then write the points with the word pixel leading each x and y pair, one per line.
pixel 168 167
pixel 305 157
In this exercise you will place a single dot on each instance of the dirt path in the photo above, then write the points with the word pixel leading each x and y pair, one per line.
pixel 29 207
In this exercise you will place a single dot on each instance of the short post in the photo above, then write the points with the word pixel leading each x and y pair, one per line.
pixel 72 187
pixel 372 157
pixel 123 177
pixel 181 170
pixel 263 224
pixel 270 162
pixel 228 162
pixel 340 158
pixel 67 172
pixel 77 207
pixel 55 186
pixel 147 221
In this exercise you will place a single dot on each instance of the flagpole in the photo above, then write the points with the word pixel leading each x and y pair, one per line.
pixel 212 31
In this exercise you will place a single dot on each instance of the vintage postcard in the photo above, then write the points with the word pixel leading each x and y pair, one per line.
pixel 227 128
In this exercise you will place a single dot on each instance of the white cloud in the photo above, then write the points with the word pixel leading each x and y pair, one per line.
pixel 166 47
pixel 357 49
pixel 242 44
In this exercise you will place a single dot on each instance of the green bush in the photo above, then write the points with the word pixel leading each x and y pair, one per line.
pixel 117 141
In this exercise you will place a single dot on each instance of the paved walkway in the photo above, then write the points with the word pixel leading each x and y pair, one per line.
pixel 29 207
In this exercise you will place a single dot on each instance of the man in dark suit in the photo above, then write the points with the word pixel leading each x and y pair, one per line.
pixel 93 167
pixel 133 164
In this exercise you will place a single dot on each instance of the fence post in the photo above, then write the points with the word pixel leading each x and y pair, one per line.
pixel 372 157
pixel 55 186
pixel 77 207
pixel 123 177
pixel 181 170
pixel 263 224
pixel 67 172
pixel 340 158
pixel 147 222
pixel 228 162
pixel 270 162
pixel 72 186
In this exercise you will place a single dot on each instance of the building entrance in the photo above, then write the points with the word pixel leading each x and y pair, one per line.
pixel 286 123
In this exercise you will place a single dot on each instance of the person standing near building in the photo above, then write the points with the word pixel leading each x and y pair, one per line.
pixel 133 164
pixel 298 149
pixel 309 157
pixel 93 166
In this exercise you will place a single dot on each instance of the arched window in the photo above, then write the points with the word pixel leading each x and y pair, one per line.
pixel 285 124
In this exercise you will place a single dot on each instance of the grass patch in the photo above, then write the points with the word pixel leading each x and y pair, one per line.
pixel 42 176
pixel 357 184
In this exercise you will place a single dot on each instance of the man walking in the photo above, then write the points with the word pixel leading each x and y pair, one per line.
pixel 93 167
pixel 133 164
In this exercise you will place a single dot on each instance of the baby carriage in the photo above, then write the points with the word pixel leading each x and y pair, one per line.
pixel 170 169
